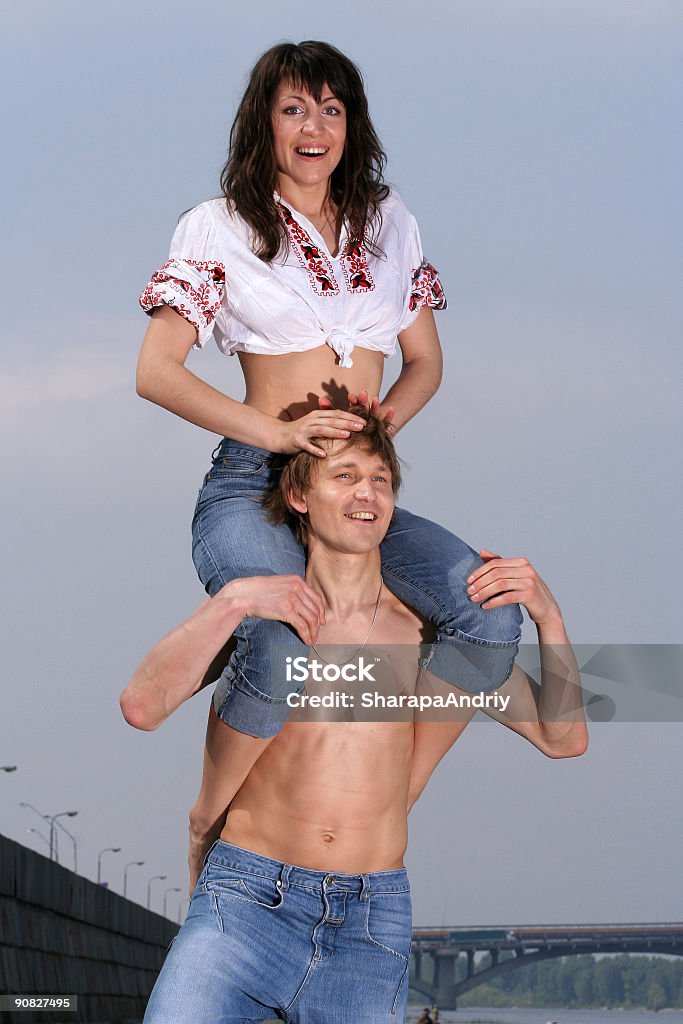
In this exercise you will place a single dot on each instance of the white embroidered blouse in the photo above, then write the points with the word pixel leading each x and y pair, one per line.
pixel 303 300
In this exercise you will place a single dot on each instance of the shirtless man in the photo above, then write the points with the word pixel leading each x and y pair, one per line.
pixel 302 910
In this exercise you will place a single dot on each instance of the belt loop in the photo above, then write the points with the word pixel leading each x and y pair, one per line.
pixel 283 880
pixel 365 893
pixel 210 850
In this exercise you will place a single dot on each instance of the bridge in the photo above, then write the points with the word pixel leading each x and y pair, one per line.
pixel 446 962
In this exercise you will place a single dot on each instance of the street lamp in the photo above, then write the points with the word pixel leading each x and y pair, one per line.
pixel 181 905
pixel 52 820
pixel 39 833
pixel 131 864
pixel 43 817
pixel 73 840
pixel 165 894
pixel 149 887
pixel 8 768
pixel 109 849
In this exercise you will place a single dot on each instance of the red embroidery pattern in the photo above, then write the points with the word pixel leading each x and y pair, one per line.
pixel 426 289
pixel 198 303
pixel 354 264
pixel 319 268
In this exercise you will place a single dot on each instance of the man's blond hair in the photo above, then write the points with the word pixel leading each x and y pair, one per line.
pixel 300 472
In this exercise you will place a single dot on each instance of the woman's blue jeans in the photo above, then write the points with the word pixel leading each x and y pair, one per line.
pixel 263 940
pixel 423 564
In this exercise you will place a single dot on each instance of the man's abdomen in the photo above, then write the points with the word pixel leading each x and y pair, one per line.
pixel 328 797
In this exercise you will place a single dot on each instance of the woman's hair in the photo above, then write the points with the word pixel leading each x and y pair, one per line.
pixel 250 175
pixel 300 472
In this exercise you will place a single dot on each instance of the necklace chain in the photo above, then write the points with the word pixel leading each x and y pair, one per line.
pixel 367 635
pixel 323 225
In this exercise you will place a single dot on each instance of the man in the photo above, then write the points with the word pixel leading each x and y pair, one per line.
pixel 303 906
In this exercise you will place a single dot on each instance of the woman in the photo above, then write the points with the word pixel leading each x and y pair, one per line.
pixel 309 268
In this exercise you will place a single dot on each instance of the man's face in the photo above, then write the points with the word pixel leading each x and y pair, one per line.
pixel 351 501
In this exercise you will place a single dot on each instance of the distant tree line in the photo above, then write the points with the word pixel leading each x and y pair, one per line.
pixel 628 982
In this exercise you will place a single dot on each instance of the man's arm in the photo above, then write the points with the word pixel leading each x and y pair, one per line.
pixel 432 742
pixel 180 664
pixel 551 715
pixel 229 756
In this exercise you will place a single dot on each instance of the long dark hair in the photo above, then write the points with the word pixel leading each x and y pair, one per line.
pixel 250 175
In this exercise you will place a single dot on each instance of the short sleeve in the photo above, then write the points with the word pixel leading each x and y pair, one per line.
pixel 192 280
pixel 422 284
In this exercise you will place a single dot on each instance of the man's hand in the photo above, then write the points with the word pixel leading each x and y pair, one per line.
pixel 200 844
pixel 229 756
pixel 373 407
pixel 283 598
pixel 502 581
pixel 178 665
pixel 550 716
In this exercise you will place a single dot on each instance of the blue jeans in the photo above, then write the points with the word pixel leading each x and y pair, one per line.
pixel 423 564
pixel 263 939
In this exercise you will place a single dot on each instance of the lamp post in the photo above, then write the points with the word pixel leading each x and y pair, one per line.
pixel 109 849
pixel 131 864
pixel 149 887
pixel 165 895
pixel 8 768
pixel 39 833
pixel 43 817
pixel 181 905
pixel 73 840
pixel 52 820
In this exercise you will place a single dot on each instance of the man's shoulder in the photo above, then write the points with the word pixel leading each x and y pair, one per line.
pixel 406 624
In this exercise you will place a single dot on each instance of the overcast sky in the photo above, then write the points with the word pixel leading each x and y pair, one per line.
pixel 535 143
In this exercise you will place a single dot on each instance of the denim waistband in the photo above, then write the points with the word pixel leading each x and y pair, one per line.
pixel 229 446
pixel 227 855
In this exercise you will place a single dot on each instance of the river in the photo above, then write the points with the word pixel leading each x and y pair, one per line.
pixel 484 1015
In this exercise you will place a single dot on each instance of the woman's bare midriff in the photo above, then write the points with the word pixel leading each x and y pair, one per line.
pixel 288 386
pixel 347 814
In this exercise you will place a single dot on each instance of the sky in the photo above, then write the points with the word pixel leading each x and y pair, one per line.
pixel 535 143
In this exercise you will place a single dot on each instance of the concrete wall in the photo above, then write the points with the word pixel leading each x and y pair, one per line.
pixel 61 934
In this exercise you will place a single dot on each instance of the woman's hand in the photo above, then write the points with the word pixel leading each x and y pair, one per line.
pixel 296 435
pixel 373 407
pixel 502 581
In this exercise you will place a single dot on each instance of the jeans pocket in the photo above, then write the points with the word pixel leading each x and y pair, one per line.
pixel 224 486
pixel 237 464
pixel 389 922
pixel 249 888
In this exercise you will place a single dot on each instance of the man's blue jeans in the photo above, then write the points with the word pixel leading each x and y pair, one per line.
pixel 422 564
pixel 265 940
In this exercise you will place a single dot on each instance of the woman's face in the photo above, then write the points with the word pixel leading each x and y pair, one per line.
pixel 308 137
